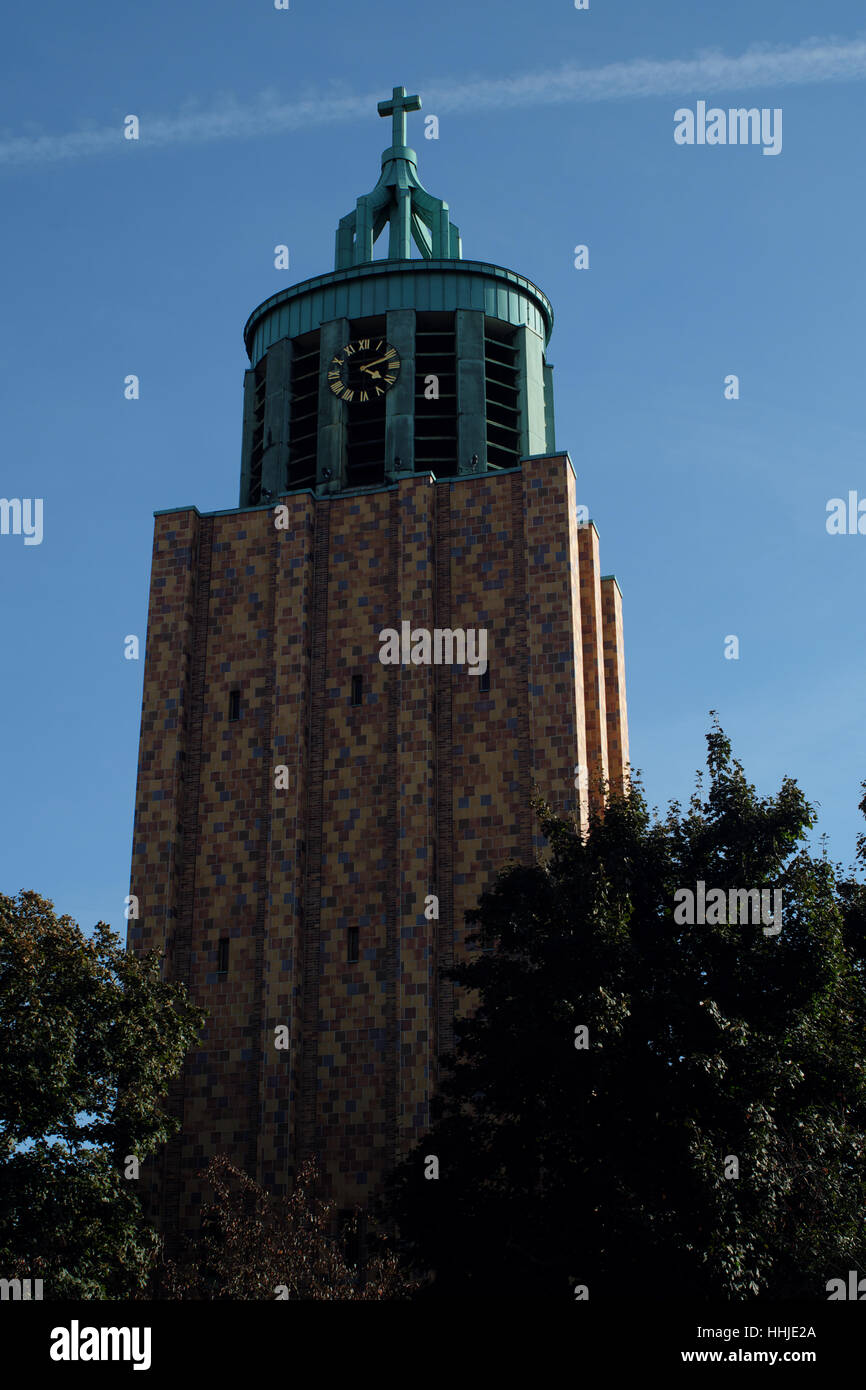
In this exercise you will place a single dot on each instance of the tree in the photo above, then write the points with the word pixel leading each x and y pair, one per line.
pixel 253 1245
pixel 711 1050
pixel 852 897
pixel 92 1036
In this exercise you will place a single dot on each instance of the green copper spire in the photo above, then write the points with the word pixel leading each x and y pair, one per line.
pixel 399 199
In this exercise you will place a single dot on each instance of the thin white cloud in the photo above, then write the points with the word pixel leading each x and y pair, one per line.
pixel 813 61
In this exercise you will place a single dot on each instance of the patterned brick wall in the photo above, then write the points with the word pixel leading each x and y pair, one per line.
pixel 595 710
pixel 614 681
pixel 420 790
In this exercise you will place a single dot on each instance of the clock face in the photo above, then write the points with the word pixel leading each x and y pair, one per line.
pixel 364 370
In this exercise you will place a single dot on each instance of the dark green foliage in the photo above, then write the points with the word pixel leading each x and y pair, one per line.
pixel 605 1167
pixel 253 1245
pixel 91 1038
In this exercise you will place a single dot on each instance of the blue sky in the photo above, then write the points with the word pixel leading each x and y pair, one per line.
pixel 259 127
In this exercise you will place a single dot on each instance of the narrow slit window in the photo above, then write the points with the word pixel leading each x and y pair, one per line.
pixel 234 705
pixel 484 680
pixel 223 956
pixel 357 689
pixel 352 951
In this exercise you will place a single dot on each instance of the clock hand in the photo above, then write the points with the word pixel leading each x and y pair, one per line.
pixel 370 373
pixel 375 362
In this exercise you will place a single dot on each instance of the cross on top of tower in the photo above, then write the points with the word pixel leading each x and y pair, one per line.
pixel 397 108
pixel 400 202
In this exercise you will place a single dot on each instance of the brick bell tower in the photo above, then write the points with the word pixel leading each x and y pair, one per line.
pixel 318 802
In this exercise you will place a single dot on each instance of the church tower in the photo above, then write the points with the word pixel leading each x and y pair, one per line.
pixel 354 682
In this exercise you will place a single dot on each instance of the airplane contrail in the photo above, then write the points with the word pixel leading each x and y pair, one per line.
pixel 761 66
